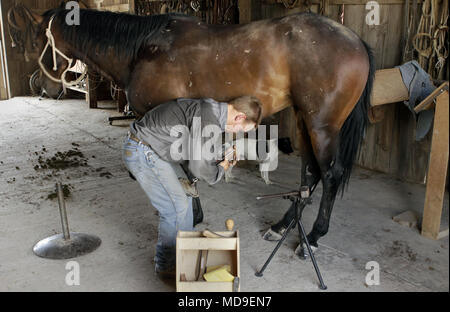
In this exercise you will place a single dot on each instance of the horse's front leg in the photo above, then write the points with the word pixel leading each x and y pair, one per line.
pixel 331 182
pixel 331 175
pixel 310 176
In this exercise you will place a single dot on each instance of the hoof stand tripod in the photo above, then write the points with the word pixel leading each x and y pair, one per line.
pixel 299 200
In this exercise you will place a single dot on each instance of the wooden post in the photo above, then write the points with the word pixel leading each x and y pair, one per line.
pixel 437 170
pixel 3 81
pixel 91 96
pixel 121 101
pixel 132 7
pixel 245 11
pixel 5 92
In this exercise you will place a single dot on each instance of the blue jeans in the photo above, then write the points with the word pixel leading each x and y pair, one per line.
pixel 159 180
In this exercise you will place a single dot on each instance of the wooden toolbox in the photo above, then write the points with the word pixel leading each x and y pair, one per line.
pixel 221 251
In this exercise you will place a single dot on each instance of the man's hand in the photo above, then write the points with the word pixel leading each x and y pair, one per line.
pixel 230 153
pixel 230 159
pixel 227 164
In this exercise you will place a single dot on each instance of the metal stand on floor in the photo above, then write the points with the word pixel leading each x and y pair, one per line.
pixel 67 245
pixel 130 116
pixel 299 200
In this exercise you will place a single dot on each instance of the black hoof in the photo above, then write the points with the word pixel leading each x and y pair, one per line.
pixel 302 251
pixel 272 235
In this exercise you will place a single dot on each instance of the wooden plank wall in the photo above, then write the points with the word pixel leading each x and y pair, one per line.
pixel 19 71
pixel 111 5
pixel 3 78
pixel 389 145
pixel 3 87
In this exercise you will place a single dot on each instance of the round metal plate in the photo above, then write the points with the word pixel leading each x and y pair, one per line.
pixel 56 247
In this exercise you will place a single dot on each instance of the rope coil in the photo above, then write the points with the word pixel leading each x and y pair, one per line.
pixel 51 44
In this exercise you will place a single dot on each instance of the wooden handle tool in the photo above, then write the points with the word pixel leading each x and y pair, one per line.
pixel 229 224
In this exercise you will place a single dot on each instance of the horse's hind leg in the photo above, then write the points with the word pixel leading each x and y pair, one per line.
pixel 310 176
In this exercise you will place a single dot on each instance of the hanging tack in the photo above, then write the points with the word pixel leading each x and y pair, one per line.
pixel 229 224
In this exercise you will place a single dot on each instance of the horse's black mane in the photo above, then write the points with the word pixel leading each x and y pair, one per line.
pixel 126 34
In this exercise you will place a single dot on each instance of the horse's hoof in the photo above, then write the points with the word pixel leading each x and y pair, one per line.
pixel 302 251
pixel 272 236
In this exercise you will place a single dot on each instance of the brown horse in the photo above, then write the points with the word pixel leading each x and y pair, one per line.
pixel 318 66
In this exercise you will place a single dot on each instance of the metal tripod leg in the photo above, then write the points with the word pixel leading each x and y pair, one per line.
pixel 289 228
pixel 302 232
pixel 311 254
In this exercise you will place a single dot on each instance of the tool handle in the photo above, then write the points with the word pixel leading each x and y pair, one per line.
pixel 229 223
pixel 210 234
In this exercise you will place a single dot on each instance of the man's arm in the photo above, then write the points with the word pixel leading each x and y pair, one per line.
pixel 209 171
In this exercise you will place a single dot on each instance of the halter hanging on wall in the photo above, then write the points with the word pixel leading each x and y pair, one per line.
pixel 55 50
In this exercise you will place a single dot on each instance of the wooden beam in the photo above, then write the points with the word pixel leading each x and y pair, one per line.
pixel 121 101
pixel 388 87
pixel 437 170
pixel 3 84
pixel 429 100
pixel 245 11
pixel 3 58
pixel 349 2
pixel 91 95
pixel 132 8
pixel 116 7
pixel 363 2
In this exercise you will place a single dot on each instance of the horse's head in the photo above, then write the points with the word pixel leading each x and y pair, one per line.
pixel 23 28
pixel 55 56
pixel 38 36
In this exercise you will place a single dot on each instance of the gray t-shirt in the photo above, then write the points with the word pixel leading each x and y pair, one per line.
pixel 156 126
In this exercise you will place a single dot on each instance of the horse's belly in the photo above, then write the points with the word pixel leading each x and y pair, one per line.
pixel 265 76
pixel 274 100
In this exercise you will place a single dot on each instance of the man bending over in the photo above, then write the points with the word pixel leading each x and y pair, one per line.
pixel 158 143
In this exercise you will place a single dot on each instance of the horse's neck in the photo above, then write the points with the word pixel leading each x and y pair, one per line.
pixel 108 65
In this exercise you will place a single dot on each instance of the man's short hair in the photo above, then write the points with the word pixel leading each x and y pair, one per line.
pixel 250 106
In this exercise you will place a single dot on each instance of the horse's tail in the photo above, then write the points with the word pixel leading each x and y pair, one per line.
pixel 352 132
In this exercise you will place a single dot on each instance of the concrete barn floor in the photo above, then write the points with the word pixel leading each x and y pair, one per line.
pixel 106 202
